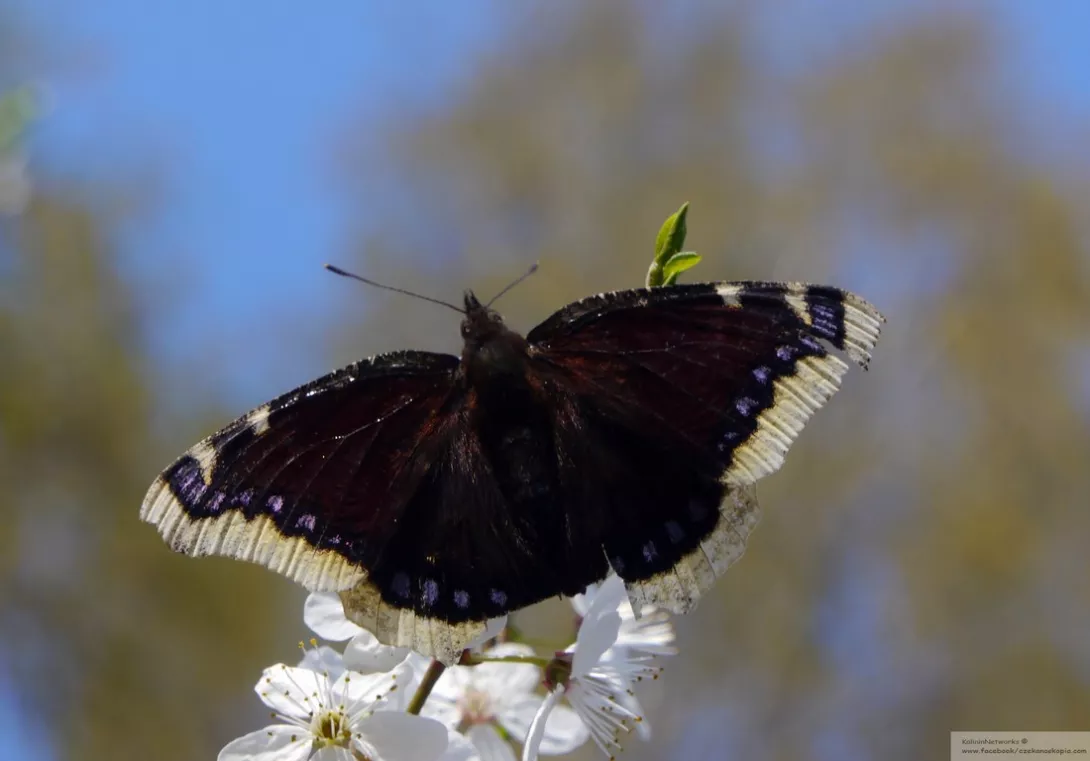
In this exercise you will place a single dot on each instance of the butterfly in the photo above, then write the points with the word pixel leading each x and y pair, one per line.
pixel 624 433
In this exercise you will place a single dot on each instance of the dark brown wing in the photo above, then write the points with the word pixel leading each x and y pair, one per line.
pixel 471 547
pixel 373 481
pixel 312 483
pixel 630 437
pixel 692 393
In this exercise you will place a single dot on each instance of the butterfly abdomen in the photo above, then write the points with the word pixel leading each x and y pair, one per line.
pixel 518 438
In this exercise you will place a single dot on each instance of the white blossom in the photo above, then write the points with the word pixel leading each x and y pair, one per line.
pixel 323 659
pixel 341 719
pixel 324 614
pixel 595 677
pixel 460 748
pixel 650 634
pixel 493 701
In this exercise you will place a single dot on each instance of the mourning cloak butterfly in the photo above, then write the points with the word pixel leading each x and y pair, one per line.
pixel 434 492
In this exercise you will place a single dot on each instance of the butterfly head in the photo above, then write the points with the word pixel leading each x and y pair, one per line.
pixel 490 346
pixel 480 323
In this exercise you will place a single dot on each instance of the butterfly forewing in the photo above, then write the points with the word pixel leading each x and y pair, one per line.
pixel 712 383
pixel 310 484
pixel 735 368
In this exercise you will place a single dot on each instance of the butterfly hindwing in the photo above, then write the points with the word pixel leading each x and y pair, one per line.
pixel 495 520
pixel 499 520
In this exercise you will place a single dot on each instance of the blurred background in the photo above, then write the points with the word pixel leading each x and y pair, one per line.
pixel 173 175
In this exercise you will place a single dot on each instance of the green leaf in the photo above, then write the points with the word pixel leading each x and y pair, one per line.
pixel 671 236
pixel 677 264
pixel 668 243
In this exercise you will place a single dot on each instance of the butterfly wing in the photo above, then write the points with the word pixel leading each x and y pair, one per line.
pixel 694 392
pixel 371 481
pixel 312 483
pixel 471 548
pixel 635 423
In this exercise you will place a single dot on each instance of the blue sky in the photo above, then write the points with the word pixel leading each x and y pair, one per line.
pixel 239 115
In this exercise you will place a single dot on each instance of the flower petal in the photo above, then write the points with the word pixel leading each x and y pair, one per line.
pixel 610 595
pixel 532 745
pixel 279 742
pixel 394 736
pixel 407 675
pixel 454 682
pixel 444 710
pixel 291 692
pixel 364 653
pixel 506 682
pixel 445 701
pixel 489 744
pixel 324 660
pixel 564 731
pixel 333 753
pixel 459 748
pixel 324 614
pixel 597 634
pixel 362 691
pixel 581 603
pixel 492 629
pixel 652 634
pixel 600 626
pixel 519 715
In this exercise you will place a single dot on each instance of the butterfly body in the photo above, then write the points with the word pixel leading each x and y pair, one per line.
pixel 512 528
pixel 625 432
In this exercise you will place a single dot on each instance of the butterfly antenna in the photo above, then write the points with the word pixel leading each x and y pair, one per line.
pixel 512 284
pixel 343 273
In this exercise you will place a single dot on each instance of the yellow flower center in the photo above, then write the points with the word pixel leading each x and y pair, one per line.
pixel 331 728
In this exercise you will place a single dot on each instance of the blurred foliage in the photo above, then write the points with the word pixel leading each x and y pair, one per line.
pixel 126 650
pixel 16 110
pixel 922 563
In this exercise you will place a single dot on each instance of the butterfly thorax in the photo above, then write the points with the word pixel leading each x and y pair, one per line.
pixel 507 407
